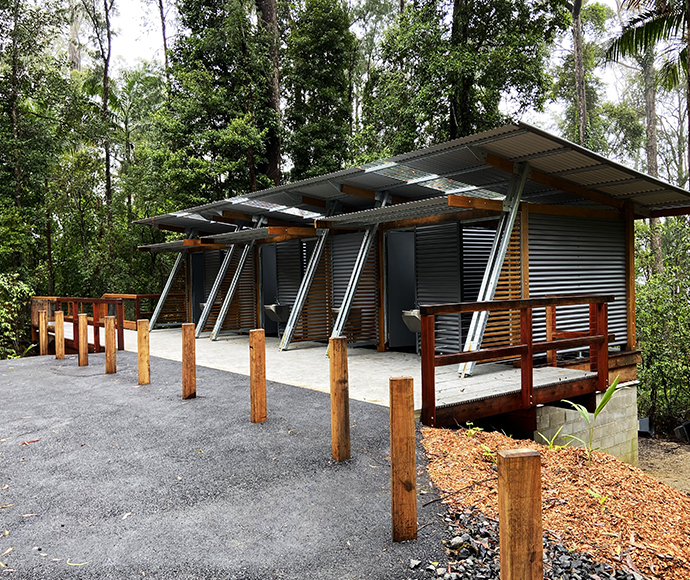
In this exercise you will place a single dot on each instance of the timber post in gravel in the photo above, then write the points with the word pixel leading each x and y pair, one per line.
pixel 83 326
pixel 188 361
pixel 42 332
pixel 403 460
pixel 59 334
pixel 143 358
pixel 519 514
pixel 257 374
pixel 340 399
pixel 110 357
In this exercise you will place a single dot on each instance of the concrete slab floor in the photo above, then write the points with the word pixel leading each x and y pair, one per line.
pixel 306 365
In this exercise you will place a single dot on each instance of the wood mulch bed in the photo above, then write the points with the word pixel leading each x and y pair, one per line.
pixel 611 510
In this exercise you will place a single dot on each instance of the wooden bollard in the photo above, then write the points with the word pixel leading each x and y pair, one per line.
pixel 59 334
pixel 42 332
pixel 257 374
pixel 188 361
pixel 519 515
pixel 403 460
pixel 83 340
pixel 110 347
pixel 143 356
pixel 340 399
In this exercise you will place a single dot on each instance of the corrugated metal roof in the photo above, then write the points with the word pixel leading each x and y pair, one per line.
pixel 183 221
pixel 452 166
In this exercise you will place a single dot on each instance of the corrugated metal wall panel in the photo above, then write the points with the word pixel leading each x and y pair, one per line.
pixel 571 256
pixel 289 270
pixel 476 247
pixel 212 262
pixel 362 324
pixel 438 278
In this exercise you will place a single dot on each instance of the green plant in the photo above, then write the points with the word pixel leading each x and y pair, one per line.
pixel 550 442
pixel 472 430
pixel 15 315
pixel 488 454
pixel 600 497
pixel 591 421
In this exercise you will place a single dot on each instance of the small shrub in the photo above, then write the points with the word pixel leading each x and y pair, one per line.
pixel 15 316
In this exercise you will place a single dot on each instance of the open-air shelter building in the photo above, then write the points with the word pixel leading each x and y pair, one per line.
pixel 509 214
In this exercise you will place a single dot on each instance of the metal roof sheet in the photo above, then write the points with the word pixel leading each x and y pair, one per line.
pixel 185 221
pixel 441 168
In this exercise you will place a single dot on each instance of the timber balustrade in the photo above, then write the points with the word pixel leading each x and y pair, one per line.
pixel 95 308
pixel 596 339
pixel 133 305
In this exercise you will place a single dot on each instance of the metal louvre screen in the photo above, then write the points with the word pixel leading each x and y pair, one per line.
pixel 316 319
pixel 571 256
pixel 212 261
pixel 362 324
pixel 289 270
pixel 476 247
pixel 438 278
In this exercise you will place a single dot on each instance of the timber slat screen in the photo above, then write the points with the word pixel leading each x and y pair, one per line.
pixel 596 339
pixel 96 308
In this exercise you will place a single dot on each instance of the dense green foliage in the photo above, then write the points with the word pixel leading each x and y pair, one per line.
pixel 319 64
pixel 445 68
pixel 15 316
pixel 663 323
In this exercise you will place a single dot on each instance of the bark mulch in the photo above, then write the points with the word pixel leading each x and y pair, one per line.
pixel 609 509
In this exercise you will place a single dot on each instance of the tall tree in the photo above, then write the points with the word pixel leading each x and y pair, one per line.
pixel 318 72
pixel 217 122
pixel 663 22
pixel 446 67
pixel 269 23
pixel 100 17
pixel 613 129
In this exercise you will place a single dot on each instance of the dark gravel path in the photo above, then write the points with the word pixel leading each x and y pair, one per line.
pixel 132 482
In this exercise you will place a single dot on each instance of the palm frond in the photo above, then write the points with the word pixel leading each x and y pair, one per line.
pixel 645 31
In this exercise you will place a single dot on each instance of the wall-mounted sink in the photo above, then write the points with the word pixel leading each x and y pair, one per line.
pixel 413 320
pixel 277 312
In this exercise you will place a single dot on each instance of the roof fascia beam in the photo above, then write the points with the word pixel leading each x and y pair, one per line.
pixel 367 193
pixel 546 179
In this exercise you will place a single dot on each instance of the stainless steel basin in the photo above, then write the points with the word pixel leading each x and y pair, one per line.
pixel 277 312
pixel 413 320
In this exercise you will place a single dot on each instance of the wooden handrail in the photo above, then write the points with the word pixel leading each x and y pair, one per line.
pixel 459 307
pixel 597 339
pixel 95 321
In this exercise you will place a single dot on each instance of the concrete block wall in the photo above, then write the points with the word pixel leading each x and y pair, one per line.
pixel 615 430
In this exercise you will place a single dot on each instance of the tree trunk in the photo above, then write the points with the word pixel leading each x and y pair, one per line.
pixel 578 55
pixel 647 63
pixel 49 247
pixel 269 22
pixel 73 48
pixel 14 105
pixel 461 122
pixel 161 9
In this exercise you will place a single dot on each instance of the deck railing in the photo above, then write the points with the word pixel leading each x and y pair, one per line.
pixel 72 306
pixel 596 339
pixel 133 305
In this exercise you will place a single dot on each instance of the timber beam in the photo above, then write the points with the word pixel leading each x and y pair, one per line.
pixel 367 193
pixel 549 180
